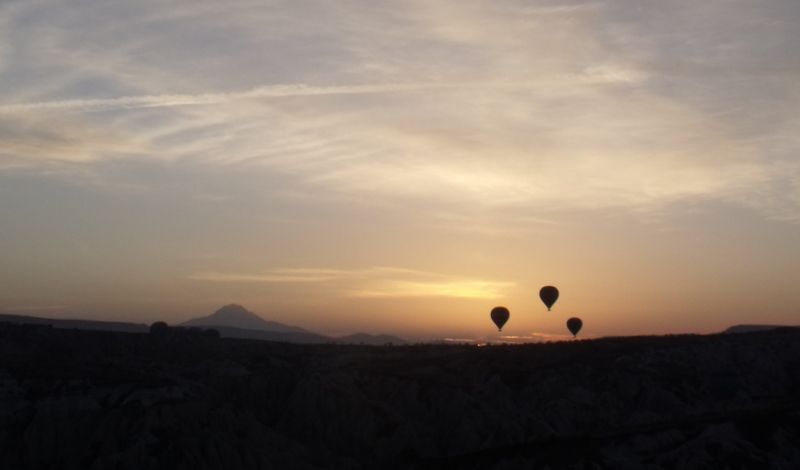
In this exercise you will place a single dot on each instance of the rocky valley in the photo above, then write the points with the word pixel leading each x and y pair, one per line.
pixel 77 399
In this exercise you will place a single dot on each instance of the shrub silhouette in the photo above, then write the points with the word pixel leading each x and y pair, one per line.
pixel 159 328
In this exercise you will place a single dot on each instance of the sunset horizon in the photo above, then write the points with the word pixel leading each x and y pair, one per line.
pixel 403 168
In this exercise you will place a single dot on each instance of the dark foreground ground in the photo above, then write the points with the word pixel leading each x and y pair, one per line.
pixel 72 399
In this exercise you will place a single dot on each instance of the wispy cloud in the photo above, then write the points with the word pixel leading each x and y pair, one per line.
pixel 276 275
pixel 468 289
pixel 36 308
pixel 372 282
pixel 42 307
pixel 492 105
pixel 44 139
pixel 594 75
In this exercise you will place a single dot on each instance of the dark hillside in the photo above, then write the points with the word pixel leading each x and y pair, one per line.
pixel 78 399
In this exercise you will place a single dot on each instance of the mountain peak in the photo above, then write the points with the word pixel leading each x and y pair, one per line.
pixel 234 311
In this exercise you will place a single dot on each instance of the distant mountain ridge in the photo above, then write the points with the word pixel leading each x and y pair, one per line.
pixel 287 334
pixel 749 328
pixel 235 321
pixel 76 324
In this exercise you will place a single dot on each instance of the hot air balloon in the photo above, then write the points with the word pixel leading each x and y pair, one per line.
pixel 574 324
pixel 500 317
pixel 549 295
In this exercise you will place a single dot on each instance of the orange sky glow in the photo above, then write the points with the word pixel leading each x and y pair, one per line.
pixel 403 168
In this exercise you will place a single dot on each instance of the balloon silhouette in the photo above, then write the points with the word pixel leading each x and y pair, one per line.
pixel 549 295
pixel 500 317
pixel 574 324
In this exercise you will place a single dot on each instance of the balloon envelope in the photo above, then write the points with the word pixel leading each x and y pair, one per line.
pixel 574 324
pixel 549 295
pixel 500 317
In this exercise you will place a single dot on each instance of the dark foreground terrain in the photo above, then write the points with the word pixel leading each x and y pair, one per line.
pixel 73 399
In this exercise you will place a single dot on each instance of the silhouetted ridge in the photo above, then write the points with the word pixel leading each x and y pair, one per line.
pixel 749 328
pixel 75 323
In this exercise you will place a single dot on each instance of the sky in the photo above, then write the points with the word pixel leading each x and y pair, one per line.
pixel 403 167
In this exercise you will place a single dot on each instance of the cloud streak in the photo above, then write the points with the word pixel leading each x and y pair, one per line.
pixel 465 289
pixel 599 75
pixel 378 282
pixel 276 275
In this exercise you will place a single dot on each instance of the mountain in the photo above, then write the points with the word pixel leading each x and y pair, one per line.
pixel 235 321
pixel 236 316
pixel 232 321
